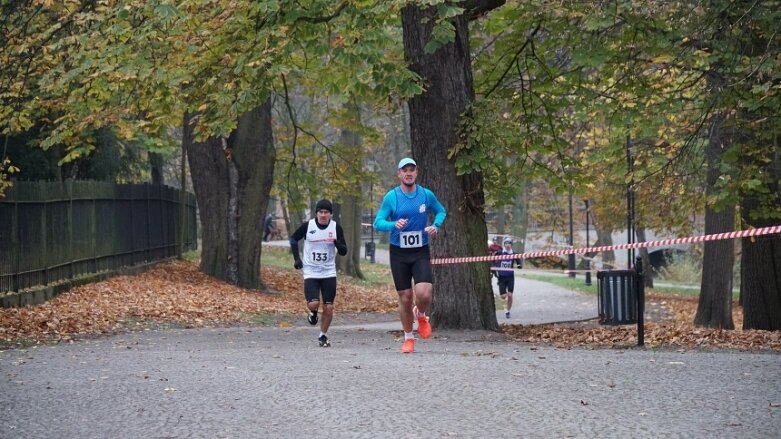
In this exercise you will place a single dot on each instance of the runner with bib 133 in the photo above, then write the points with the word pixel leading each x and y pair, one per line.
pixel 404 213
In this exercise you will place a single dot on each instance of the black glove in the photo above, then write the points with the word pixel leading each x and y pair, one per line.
pixel 298 264
pixel 340 248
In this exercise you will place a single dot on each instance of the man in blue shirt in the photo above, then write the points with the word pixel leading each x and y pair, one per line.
pixel 404 213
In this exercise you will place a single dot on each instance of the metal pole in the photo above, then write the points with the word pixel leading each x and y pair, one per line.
pixel 182 196
pixel 571 257
pixel 629 204
pixel 588 261
pixel 640 288
pixel 371 218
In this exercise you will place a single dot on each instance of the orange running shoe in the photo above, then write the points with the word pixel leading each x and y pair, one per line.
pixel 424 327
pixel 409 346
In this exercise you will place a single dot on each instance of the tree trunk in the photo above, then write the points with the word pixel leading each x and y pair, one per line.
pixel 181 232
pixel 156 163
pixel 232 182
pixel 501 218
pixel 286 216
pixel 760 264
pixel 463 297
pixel 715 304
pixel 350 217
pixel 605 238
pixel 520 224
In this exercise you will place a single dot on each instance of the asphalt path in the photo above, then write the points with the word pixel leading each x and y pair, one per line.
pixel 275 382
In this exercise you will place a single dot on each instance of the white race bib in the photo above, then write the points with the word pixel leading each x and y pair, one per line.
pixel 411 239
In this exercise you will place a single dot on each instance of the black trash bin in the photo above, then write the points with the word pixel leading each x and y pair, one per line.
pixel 370 251
pixel 617 297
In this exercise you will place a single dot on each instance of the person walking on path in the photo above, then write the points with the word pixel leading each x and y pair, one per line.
pixel 506 276
pixel 321 237
pixel 494 248
pixel 268 226
pixel 404 213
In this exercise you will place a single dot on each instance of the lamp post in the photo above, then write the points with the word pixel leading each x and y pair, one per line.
pixel 371 218
pixel 588 260
pixel 571 256
pixel 630 204
pixel 370 248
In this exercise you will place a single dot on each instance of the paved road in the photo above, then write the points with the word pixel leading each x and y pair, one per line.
pixel 276 383
pixel 250 382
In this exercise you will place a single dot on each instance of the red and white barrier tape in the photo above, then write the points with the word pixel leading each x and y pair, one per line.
pixel 660 243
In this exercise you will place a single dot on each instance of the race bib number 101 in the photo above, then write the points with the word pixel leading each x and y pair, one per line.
pixel 410 239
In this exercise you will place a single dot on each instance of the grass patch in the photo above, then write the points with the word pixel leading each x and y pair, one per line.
pixel 579 284
pixel 276 257
pixel 570 283
pixel 192 255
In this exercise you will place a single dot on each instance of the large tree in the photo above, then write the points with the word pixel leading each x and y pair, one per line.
pixel 715 303
pixel 232 184
pixel 463 297
pixel 640 71
pixel 736 46
pixel 137 67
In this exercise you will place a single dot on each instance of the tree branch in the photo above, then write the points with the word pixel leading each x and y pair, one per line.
pixel 326 18
pixel 529 40
pixel 477 8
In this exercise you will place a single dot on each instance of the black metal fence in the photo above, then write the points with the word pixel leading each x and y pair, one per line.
pixel 54 231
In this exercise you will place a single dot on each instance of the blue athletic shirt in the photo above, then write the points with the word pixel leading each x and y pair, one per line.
pixel 507 264
pixel 415 207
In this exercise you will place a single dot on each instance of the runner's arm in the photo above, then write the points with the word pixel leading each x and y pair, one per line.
pixel 298 235
pixel 381 221
pixel 439 210
pixel 340 243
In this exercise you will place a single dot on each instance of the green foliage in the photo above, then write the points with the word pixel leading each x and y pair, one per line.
pixel 361 62
pixel 560 87
pixel 6 169
pixel 563 87
pixel 135 67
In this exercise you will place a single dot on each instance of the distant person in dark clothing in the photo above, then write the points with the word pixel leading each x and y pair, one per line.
pixel 268 226
pixel 506 275
pixel 494 248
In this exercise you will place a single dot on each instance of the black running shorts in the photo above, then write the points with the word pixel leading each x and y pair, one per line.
pixel 326 286
pixel 506 284
pixel 409 263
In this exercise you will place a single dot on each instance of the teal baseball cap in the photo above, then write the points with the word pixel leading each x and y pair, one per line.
pixel 407 161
